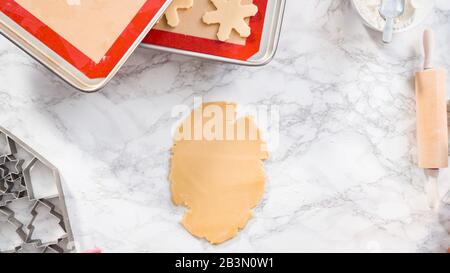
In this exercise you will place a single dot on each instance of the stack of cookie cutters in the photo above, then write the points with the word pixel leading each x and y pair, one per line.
pixel 31 198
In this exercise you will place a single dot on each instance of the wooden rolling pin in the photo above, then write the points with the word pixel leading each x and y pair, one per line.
pixel 431 108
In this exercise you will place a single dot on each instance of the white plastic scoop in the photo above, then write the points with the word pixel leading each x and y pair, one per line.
pixel 390 10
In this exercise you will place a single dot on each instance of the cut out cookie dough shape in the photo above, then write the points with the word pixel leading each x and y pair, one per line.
pixel 172 17
pixel 230 14
pixel 219 177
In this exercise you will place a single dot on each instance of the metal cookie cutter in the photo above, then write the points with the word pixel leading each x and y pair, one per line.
pixel 31 199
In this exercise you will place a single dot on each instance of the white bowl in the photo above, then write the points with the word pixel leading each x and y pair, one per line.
pixel 419 16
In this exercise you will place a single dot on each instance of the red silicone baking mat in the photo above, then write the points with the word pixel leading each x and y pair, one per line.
pixel 73 55
pixel 214 47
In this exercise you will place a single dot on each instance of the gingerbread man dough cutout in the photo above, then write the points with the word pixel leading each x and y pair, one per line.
pixel 173 19
pixel 230 14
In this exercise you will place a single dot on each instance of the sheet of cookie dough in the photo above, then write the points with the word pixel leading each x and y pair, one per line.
pixel 218 176
pixel 92 26
pixel 191 23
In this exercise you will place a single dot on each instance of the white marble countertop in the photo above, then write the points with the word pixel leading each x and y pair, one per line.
pixel 343 178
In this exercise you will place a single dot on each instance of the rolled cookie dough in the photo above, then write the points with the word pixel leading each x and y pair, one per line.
pixel 92 26
pixel 219 174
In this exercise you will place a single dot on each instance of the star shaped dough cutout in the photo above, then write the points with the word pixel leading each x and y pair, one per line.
pixel 230 14
pixel 172 17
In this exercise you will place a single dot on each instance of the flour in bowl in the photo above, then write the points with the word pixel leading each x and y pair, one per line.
pixel 415 12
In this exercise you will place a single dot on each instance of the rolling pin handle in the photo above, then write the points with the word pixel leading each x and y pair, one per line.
pixel 428 46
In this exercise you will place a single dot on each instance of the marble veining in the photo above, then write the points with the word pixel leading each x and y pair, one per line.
pixel 343 177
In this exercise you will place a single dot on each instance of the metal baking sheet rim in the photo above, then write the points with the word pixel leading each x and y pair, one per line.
pixel 272 42
pixel 61 67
